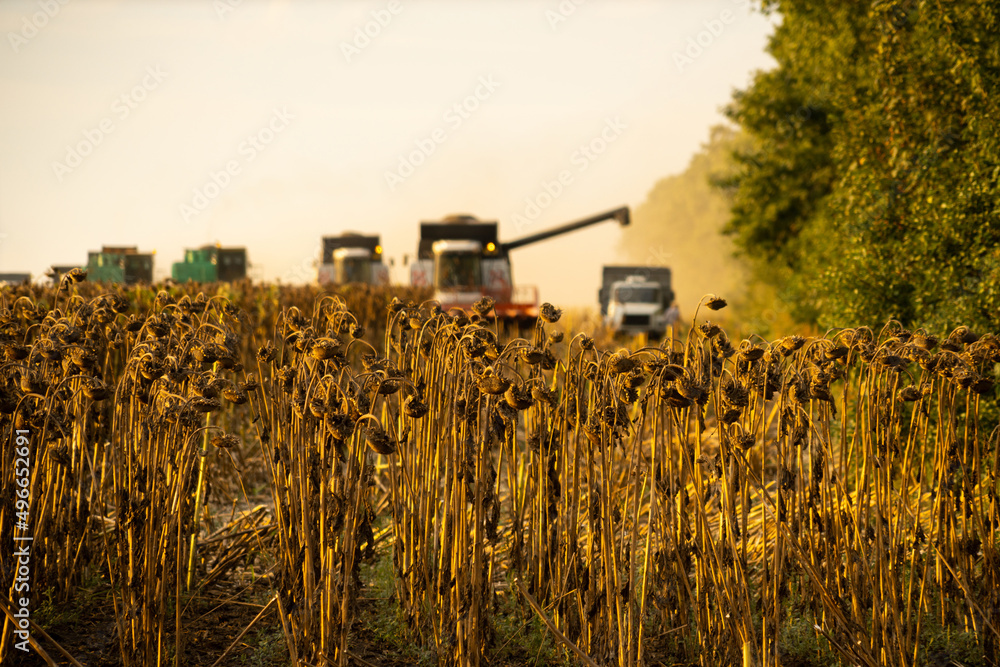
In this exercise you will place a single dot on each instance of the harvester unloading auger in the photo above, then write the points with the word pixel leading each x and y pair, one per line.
pixel 463 260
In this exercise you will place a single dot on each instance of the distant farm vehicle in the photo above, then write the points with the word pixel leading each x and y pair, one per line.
pixel 211 263
pixel 352 258
pixel 14 278
pixel 120 264
pixel 637 299
pixel 463 260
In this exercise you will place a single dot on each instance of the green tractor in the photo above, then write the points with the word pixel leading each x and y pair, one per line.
pixel 120 264
pixel 210 264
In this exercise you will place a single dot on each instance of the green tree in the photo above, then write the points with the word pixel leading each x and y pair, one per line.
pixel 869 189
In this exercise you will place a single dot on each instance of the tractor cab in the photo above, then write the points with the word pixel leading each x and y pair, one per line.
pixel 636 290
pixel 352 258
pixel 351 265
pixel 457 266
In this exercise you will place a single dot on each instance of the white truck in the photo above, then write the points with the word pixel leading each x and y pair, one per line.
pixel 638 299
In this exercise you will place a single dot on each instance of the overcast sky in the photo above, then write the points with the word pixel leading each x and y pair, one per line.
pixel 269 124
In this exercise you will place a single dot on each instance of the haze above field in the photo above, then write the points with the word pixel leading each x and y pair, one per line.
pixel 270 124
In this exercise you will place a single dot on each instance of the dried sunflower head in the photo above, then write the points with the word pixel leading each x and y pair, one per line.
pixel 250 384
pixel 620 362
pixel 722 346
pixel 483 306
pixel 549 313
pixel 519 398
pixel 205 354
pixel 390 384
pixel 983 385
pixel 226 441
pixel 925 341
pixel 15 352
pixel 266 353
pixel 541 393
pixel 789 344
pixel 709 330
pixel 674 398
pixel 325 348
pixel 893 362
pixel 672 371
pixel 235 395
pixel 689 389
pixel 379 440
pixel 490 383
pixel 286 377
pixel 201 404
pixel 414 407
pixel 94 389
pixel 750 352
pixel 530 355
pixel 716 303
pixel 72 277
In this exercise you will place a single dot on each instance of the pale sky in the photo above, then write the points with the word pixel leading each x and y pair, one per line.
pixel 120 119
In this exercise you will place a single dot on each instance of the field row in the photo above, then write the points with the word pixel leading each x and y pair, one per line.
pixel 801 501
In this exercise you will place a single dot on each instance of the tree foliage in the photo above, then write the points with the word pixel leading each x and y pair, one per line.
pixel 869 184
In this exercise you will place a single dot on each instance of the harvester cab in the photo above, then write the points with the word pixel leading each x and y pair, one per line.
pixel 463 260
pixel 120 264
pixel 211 263
pixel 352 258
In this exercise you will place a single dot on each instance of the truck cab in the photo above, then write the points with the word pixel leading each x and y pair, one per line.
pixel 636 299
pixel 636 306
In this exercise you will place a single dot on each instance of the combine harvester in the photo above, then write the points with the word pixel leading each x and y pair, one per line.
pixel 120 264
pixel 463 260
pixel 352 258
pixel 211 264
